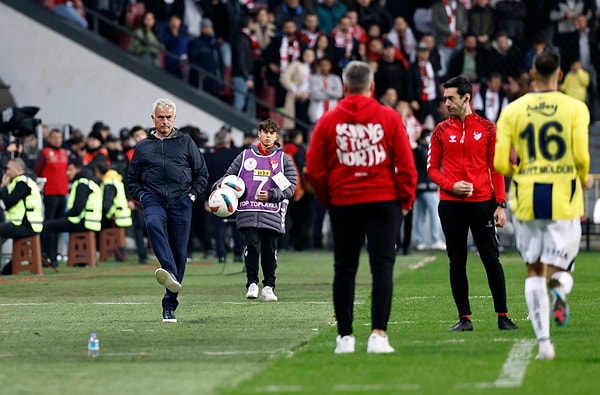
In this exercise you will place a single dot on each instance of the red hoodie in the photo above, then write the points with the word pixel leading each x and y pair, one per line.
pixel 465 151
pixel 359 153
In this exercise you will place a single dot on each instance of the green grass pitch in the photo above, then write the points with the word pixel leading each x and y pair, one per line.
pixel 224 344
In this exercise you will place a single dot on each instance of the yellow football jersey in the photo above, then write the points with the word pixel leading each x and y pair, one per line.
pixel 549 132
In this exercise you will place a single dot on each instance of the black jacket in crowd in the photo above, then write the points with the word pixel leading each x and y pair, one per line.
pixel 203 52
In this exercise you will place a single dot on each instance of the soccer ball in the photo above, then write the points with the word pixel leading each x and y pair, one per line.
pixel 222 202
pixel 235 183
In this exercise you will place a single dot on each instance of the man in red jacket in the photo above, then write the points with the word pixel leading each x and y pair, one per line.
pixel 51 163
pixel 361 167
pixel 472 196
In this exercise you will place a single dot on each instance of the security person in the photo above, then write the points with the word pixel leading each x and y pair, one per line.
pixel 22 201
pixel 84 207
pixel 115 209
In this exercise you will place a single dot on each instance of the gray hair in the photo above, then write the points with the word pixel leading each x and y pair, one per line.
pixel 162 102
pixel 18 162
pixel 358 77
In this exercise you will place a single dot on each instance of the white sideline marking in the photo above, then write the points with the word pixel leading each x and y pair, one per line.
pixel 302 302
pixel 424 297
pixel 422 262
pixel 281 388
pixel 449 341
pixel 515 365
pixel 54 303
pixel 227 353
pixel 376 387
pixel 393 323
pixel 514 368
pixel 418 297
pixel 123 303
pixel 23 304
pixel 343 388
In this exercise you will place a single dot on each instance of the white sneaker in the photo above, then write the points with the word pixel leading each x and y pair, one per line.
pixel 252 291
pixel 379 344
pixel 439 245
pixel 344 345
pixel 420 247
pixel 546 351
pixel 167 280
pixel 268 295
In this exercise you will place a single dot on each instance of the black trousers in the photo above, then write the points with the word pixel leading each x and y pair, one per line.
pixel 300 214
pixel 55 226
pixel 379 223
pixel 260 243
pixel 457 218
pixel 404 234
pixel 220 228
pixel 11 231
pixel 139 232
pixel 54 208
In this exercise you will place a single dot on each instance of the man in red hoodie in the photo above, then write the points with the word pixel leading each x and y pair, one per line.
pixel 360 165
pixel 472 196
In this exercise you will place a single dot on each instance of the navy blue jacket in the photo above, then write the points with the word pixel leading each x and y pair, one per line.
pixel 171 168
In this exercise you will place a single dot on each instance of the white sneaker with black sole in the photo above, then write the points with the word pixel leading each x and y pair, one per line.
pixel 268 295
pixel 167 280
pixel 252 291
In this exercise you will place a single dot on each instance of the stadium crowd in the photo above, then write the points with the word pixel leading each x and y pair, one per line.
pixel 290 54
pixel 250 44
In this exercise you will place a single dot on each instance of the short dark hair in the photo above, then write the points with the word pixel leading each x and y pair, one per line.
pixel 136 128
pixel 76 162
pixel 101 168
pixel 462 85
pixel 546 62
pixel 268 125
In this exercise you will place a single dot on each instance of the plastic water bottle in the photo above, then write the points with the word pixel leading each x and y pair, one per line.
pixel 93 346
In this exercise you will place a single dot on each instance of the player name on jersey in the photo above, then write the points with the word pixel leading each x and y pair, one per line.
pixel 550 169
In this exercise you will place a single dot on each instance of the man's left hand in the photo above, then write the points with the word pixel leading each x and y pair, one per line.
pixel 500 217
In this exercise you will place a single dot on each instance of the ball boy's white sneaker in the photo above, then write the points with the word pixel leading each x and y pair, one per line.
pixel 379 344
pixel 268 295
pixel 344 344
pixel 252 291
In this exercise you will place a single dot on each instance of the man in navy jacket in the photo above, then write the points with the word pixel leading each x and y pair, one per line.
pixel 166 174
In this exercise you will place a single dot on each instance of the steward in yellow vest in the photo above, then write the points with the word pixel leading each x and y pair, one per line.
pixel 84 207
pixel 115 208
pixel 22 201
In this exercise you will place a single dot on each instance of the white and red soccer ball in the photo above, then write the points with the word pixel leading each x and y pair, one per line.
pixel 235 183
pixel 222 202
